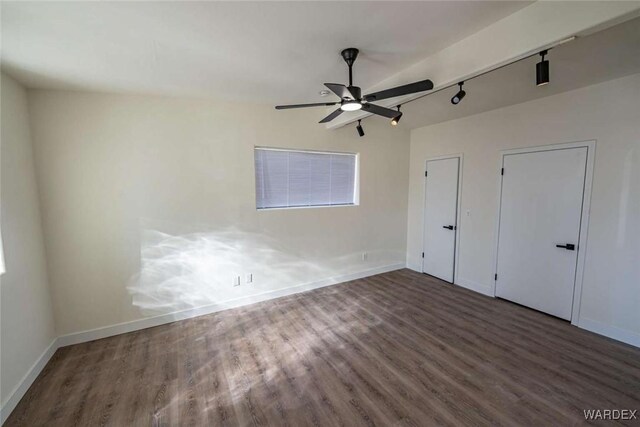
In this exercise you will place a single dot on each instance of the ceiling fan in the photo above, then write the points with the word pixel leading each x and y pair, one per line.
pixel 352 100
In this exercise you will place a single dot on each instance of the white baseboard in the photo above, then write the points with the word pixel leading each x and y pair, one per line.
pixel 414 266
pixel 619 334
pixel 19 391
pixel 149 322
pixel 475 286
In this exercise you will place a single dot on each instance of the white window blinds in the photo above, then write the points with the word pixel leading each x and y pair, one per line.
pixel 288 178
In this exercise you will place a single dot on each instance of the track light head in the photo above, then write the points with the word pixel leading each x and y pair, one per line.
pixel 396 119
pixel 359 129
pixel 458 96
pixel 542 70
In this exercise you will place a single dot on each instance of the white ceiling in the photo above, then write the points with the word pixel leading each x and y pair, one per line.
pixel 606 55
pixel 263 52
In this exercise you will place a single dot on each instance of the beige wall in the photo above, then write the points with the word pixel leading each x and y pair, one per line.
pixel 608 113
pixel 149 206
pixel 26 316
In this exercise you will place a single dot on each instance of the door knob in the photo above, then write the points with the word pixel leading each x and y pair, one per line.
pixel 448 227
pixel 568 246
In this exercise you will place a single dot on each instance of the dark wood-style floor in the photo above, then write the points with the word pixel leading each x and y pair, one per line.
pixel 399 348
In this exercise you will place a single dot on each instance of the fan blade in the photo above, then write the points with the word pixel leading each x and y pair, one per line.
pixel 400 90
pixel 341 90
pixel 381 111
pixel 331 116
pixel 318 104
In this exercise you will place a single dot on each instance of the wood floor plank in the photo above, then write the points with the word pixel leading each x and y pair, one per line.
pixel 399 348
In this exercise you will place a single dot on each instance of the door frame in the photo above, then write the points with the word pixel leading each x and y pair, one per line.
pixel 584 218
pixel 460 157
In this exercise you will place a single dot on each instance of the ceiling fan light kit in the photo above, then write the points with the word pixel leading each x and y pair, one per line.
pixel 351 98
pixel 351 106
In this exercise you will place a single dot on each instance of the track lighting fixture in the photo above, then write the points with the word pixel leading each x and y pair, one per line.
pixel 359 129
pixel 458 96
pixel 542 70
pixel 396 119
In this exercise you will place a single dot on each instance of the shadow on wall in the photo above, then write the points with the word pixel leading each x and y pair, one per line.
pixel 181 271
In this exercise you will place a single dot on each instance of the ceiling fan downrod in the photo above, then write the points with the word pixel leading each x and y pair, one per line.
pixel 349 55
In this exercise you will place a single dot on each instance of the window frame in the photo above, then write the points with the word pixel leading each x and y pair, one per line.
pixel 356 178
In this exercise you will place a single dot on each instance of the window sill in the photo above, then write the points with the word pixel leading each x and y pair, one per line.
pixel 284 208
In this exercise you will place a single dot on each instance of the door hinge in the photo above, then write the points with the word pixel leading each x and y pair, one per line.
pixel 422 254
pixel 495 277
pixel 425 173
pixel 502 171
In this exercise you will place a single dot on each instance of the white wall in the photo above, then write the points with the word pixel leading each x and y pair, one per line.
pixel 26 316
pixel 608 113
pixel 149 206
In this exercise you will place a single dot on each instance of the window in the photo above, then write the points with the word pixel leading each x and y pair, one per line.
pixel 2 269
pixel 289 178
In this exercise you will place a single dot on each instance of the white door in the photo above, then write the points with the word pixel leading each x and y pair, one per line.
pixel 540 213
pixel 440 227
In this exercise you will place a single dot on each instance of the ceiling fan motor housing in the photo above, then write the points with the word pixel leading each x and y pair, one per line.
pixel 356 92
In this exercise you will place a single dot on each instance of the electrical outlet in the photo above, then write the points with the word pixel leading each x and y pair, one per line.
pixel 236 281
pixel 249 278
